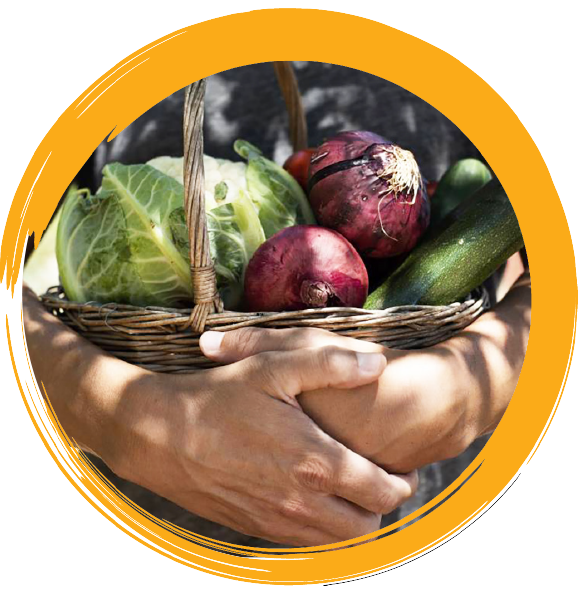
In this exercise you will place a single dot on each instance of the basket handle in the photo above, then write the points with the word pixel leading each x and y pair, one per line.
pixel 204 279
pixel 203 276
pixel 290 90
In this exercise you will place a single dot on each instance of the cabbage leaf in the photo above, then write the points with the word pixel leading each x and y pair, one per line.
pixel 278 196
pixel 129 242
pixel 235 233
pixel 116 246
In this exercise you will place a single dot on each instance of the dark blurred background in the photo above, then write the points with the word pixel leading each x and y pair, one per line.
pixel 246 103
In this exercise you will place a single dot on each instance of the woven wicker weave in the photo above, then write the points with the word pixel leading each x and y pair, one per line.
pixel 167 340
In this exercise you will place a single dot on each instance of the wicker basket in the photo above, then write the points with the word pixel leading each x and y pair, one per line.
pixel 167 340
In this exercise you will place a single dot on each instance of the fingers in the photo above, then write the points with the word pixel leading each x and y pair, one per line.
pixel 321 520
pixel 229 347
pixel 300 516
pixel 377 491
pixel 344 473
pixel 288 374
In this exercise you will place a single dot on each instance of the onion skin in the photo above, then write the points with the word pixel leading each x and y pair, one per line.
pixel 357 186
pixel 304 267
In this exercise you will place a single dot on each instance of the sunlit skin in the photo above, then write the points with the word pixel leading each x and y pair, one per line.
pixel 231 444
pixel 250 444
pixel 428 405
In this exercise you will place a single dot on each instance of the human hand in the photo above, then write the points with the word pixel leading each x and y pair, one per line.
pixel 401 416
pixel 230 444
pixel 428 405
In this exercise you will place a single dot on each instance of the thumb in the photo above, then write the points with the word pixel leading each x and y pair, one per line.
pixel 235 345
pixel 288 374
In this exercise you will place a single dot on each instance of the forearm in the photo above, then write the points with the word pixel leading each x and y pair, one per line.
pixel 384 421
pixel 86 387
pixel 431 404
pixel 491 353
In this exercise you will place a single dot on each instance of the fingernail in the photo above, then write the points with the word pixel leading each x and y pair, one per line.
pixel 370 363
pixel 210 342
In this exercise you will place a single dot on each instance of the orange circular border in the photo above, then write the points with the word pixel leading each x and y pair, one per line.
pixel 125 92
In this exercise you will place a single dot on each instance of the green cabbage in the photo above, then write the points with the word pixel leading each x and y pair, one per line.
pixel 278 196
pixel 117 246
pixel 217 173
pixel 129 243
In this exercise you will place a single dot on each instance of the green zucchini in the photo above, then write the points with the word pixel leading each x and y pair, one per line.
pixel 461 181
pixel 455 257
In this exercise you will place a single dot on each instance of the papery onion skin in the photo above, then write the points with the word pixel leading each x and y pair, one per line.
pixel 370 191
pixel 304 267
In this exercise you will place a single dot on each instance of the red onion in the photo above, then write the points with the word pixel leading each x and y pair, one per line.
pixel 304 267
pixel 371 191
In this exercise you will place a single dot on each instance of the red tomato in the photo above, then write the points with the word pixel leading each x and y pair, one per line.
pixel 298 166
pixel 431 188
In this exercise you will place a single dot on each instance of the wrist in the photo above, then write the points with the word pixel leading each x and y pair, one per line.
pixel 128 407
pixel 151 425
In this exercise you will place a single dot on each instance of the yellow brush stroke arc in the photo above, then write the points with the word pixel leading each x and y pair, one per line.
pixel 125 92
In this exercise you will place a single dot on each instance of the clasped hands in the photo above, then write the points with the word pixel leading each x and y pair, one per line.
pixel 302 437
pixel 235 445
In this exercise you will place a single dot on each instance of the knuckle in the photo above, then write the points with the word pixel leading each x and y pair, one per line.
pixel 334 360
pixel 293 509
pixel 388 501
pixel 263 366
pixel 245 340
pixel 313 473
pixel 312 336
pixel 265 373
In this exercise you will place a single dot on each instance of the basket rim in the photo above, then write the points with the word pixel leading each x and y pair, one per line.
pixel 55 295
pixel 163 340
